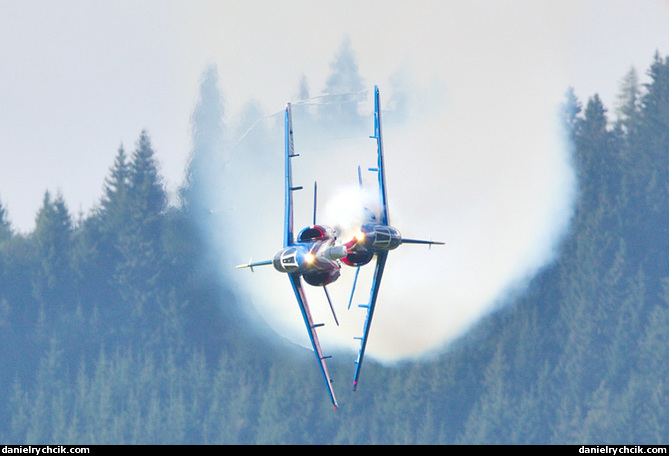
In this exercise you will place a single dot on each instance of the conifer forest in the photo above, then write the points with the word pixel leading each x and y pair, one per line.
pixel 116 329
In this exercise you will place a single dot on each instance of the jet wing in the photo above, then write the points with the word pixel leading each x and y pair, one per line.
pixel 378 135
pixel 376 284
pixel 383 219
pixel 381 256
pixel 311 328
pixel 290 153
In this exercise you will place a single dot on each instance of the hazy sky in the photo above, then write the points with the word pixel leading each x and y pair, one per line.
pixel 80 77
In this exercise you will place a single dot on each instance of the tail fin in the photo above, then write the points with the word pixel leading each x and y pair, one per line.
pixel 327 295
pixel 355 280
pixel 315 199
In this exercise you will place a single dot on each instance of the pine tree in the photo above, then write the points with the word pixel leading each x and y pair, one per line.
pixel 113 206
pixel 5 226
pixel 343 87
pixel 208 144
pixel 602 421
pixel 146 192
pixel 138 273
pixel 599 156
pixel 651 159
pixel 653 368
pixel 570 110
pixel 628 105
pixel 52 238
pixel 5 235
pixel 486 422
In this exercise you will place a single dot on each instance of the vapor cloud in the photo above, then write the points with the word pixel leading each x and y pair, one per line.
pixel 477 160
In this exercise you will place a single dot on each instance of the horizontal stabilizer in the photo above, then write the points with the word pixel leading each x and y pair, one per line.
pixel 355 280
pixel 331 306
pixel 252 265
pixel 420 241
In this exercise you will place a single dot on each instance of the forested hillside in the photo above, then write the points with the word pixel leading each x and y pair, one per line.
pixel 115 327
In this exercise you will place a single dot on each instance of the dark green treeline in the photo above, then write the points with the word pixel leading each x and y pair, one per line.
pixel 115 328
